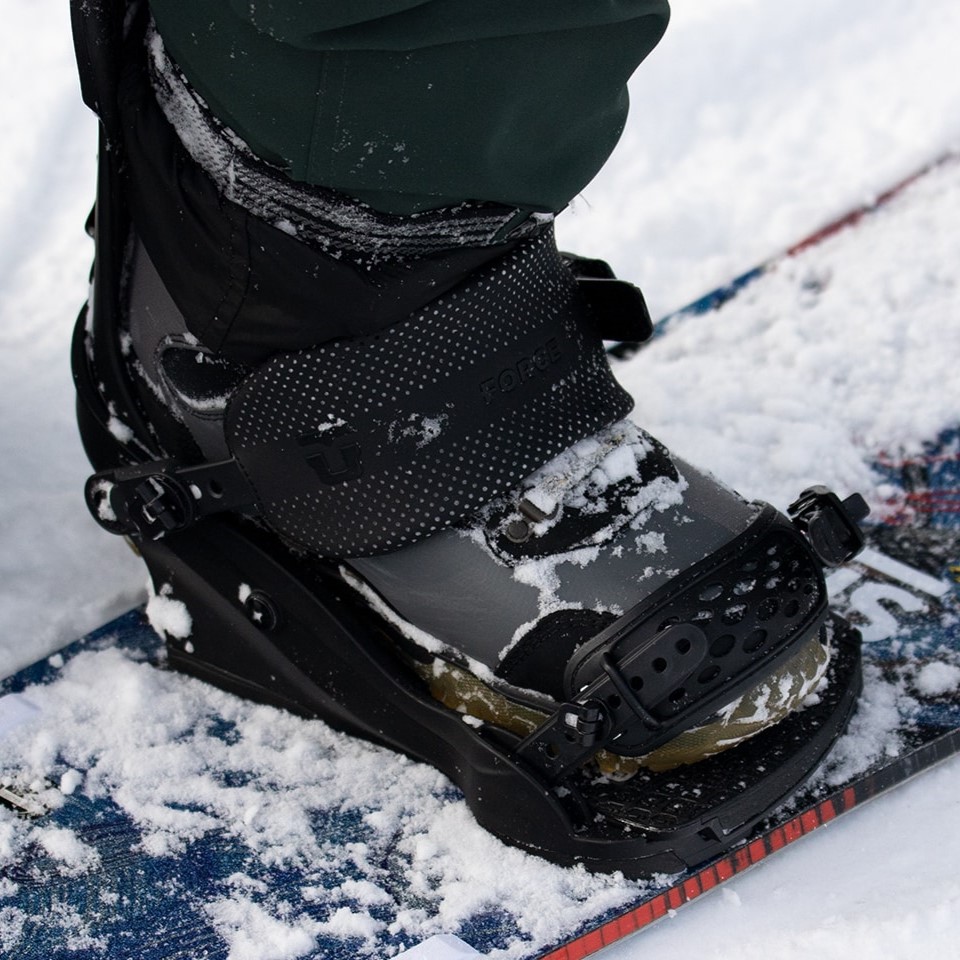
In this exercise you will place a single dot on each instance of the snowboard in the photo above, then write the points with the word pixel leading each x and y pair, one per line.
pixel 144 814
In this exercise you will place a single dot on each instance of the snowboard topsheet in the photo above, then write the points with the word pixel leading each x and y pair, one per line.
pixel 147 815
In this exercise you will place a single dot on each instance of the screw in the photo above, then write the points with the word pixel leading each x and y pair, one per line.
pixel 261 610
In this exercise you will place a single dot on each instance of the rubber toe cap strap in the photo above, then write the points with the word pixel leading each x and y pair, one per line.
pixel 689 649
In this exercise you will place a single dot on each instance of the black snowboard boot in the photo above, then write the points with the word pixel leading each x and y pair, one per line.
pixel 382 466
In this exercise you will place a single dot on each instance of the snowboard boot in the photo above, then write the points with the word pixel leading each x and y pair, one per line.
pixel 381 470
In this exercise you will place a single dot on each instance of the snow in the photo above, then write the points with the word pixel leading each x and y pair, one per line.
pixel 937 679
pixel 147 739
pixel 777 370
pixel 753 123
pixel 167 615
pixel 252 933
pixel 440 947
pixel 69 781
pixel 63 845
pixel 15 709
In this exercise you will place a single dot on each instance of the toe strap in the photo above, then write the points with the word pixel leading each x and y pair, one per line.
pixel 688 650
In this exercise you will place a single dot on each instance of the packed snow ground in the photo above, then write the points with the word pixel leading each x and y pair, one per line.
pixel 754 122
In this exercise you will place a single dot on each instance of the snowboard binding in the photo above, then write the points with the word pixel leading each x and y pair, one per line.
pixel 284 496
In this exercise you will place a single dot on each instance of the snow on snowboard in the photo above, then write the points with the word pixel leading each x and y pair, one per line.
pixel 148 815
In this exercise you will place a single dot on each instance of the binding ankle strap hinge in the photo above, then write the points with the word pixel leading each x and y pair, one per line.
pixel 149 500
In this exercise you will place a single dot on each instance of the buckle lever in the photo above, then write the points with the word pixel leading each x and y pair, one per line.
pixel 829 524
pixel 584 722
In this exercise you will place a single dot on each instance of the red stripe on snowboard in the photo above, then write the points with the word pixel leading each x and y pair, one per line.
pixel 706 879
pixel 855 216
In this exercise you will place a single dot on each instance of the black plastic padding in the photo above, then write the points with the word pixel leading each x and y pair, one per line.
pixel 368 444
pixel 619 306
pixel 328 655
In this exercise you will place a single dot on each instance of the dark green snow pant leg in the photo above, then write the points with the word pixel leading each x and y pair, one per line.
pixel 413 104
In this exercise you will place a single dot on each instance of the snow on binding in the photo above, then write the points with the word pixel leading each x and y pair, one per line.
pixel 153 815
